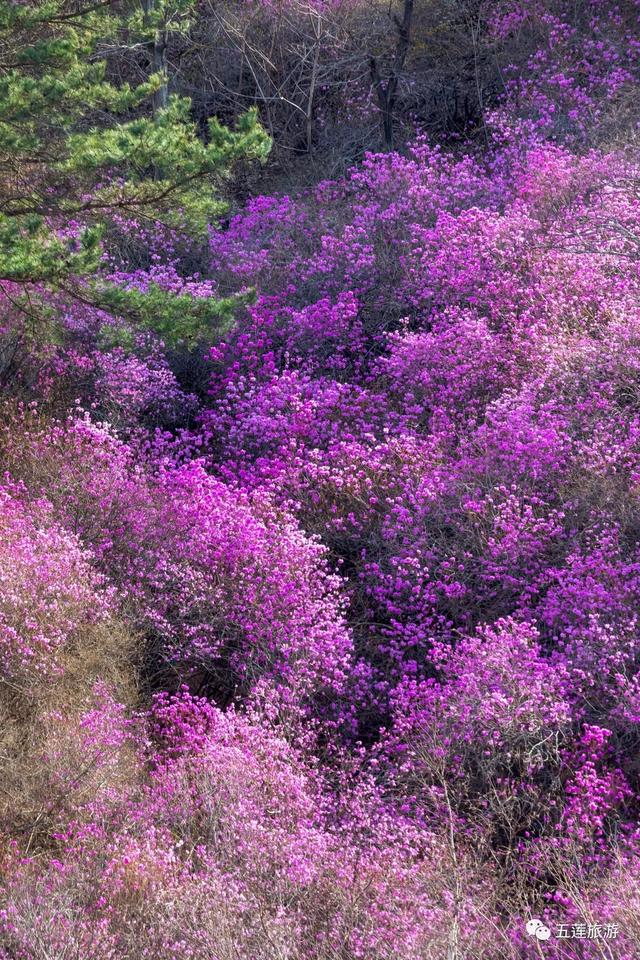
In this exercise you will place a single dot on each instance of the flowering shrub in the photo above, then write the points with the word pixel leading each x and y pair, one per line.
pixel 230 812
pixel 49 591
pixel 321 640
pixel 484 743
pixel 132 389
pixel 225 585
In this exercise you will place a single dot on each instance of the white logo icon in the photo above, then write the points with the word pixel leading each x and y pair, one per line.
pixel 536 928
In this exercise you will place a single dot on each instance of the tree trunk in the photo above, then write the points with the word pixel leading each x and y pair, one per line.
pixel 387 92
pixel 158 52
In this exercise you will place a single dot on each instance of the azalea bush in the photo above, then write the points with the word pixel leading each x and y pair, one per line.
pixel 320 525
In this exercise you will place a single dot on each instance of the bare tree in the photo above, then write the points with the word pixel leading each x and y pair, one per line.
pixel 387 91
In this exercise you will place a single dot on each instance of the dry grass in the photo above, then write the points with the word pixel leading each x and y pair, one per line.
pixel 46 768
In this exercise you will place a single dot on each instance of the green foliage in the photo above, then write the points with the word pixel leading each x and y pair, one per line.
pixel 179 319
pixel 77 148
pixel 162 165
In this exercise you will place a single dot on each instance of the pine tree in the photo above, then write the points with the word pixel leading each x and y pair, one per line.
pixel 77 148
